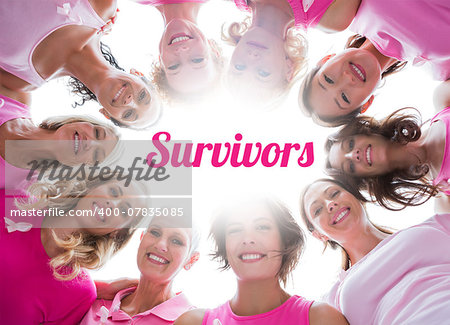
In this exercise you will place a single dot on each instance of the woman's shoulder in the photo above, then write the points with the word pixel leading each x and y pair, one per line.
pixel 321 313
pixel 191 317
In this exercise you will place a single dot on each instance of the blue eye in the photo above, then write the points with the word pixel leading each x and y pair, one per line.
pixel 173 67
pixel 177 242
pixel 352 168
pixel 263 73
pixel 351 144
pixel 263 227
pixel 114 192
pixel 198 60
pixel 240 67
pixel 155 233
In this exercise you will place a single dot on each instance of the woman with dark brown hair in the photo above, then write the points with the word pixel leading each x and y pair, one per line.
pixel 398 161
pixel 261 242
pixel 342 85
pixel 44 40
pixel 400 278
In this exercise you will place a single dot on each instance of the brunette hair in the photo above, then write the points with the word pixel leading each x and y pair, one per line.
pixel 401 187
pixel 346 263
pixel 304 99
pixel 291 234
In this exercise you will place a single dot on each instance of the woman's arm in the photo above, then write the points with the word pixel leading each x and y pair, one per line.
pixel 191 317
pixel 323 314
pixel 442 203
pixel 339 15
pixel 107 290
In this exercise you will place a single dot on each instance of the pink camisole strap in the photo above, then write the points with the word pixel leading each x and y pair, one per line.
pixel 443 178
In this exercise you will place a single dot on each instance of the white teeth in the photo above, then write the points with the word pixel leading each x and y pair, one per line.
pixel 76 143
pixel 340 216
pixel 119 93
pixel 156 258
pixel 246 257
pixel 368 154
pixel 180 39
pixel 101 217
pixel 356 69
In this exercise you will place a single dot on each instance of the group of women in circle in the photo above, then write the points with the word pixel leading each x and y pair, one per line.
pixel 396 162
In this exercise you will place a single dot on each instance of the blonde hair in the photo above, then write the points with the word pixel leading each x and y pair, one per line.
pixel 168 94
pixel 295 47
pixel 55 122
pixel 80 249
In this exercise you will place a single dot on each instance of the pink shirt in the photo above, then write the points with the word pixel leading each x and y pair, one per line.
pixel 405 279
pixel 108 311
pixel 307 13
pixel 413 30
pixel 25 24
pixel 29 292
pixel 443 179
pixel 294 311
pixel 10 110
pixel 166 2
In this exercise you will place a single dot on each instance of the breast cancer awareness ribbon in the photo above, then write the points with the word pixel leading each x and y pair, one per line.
pixel 66 10
pixel 17 226
pixel 307 4
pixel 105 313
pixel 217 322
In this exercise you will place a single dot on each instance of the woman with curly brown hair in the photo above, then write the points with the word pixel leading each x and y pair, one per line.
pixel 44 40
pixel 400 278
pixel 261 242
pixel 397 160
pixel 62 230
pixel 388 34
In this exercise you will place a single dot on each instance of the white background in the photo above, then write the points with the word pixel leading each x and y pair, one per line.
pixel 134 42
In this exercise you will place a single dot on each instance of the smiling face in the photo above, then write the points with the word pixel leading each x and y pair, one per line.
pixel 253 243
pixel 344 83
pixel 361 155
pixel 163 252
pixel 334 212
pixel 186 57
pixel 86 143
pixel 259 66
pixel 128 99
pixel 108 207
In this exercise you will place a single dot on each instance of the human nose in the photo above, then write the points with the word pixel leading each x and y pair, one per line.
pixel 253 54
pixel 161 245
pixel 354 155
pixel 182 48
pixel 248 238
pixel 331 205
pixel 348 77
pixel 127 99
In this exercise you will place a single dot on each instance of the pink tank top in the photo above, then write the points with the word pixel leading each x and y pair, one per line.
pixel 307 13
pixel 443 178
pixel 294 311
pixel 24 24
pixel 409 30
pixel 10 110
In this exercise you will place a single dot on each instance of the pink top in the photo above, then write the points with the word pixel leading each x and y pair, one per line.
pixel 443 179
pixel 10 110
pixel 108 311
pixel 417 31
pixel 307 13
pixel 405 279
pixel 29 292
pixel 294 311
pixel 24 24
pixel 166 2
